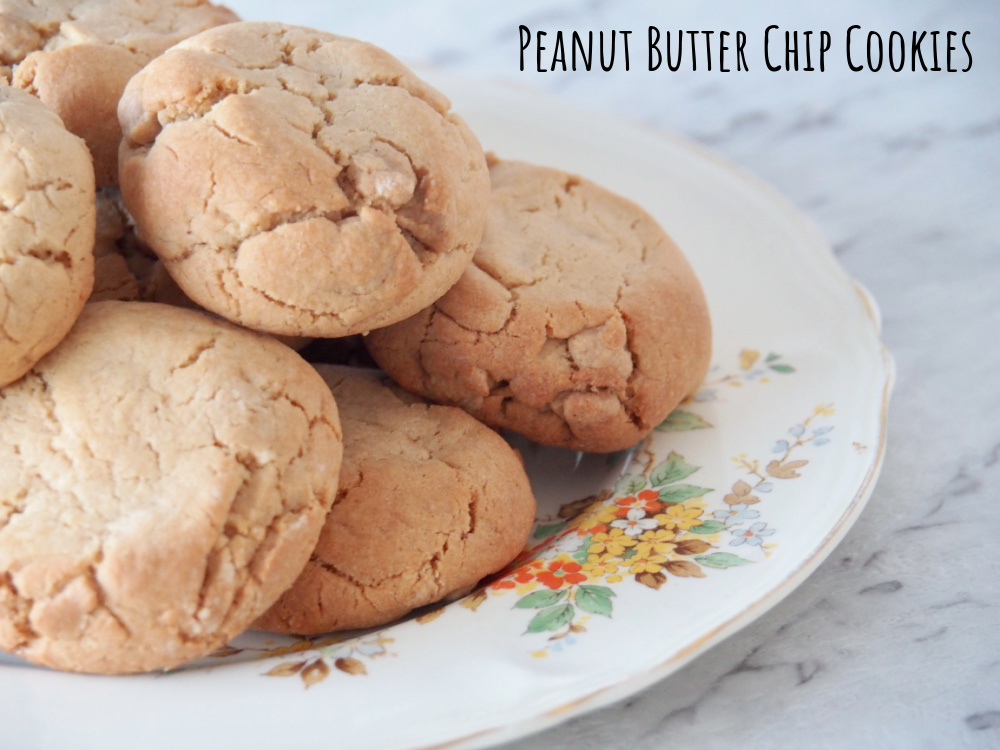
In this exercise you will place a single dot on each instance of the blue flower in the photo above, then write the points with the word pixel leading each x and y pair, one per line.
pixel 797 430
pixel 764 487
pixel 736 514
pixel 752 536
pixel 780 447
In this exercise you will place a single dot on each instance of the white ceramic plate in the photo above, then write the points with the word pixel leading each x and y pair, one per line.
pixel 766 469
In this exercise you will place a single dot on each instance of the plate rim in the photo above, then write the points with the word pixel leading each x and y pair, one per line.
pixel 640 679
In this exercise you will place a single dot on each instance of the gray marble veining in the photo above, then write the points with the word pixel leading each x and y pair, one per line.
pixel 893 642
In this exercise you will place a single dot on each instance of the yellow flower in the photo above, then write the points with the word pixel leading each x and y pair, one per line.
pixel 660 540
pixel 646 564
pixel 601 565
pixel 643 549
pixel 613 542
pixel 679 517
pixel 747 358
pixel 824 410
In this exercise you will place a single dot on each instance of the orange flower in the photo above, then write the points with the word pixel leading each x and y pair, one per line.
pixel 560 572
pixel 522 575
pixel 647 500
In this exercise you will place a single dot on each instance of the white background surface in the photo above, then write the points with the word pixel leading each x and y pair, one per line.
pixel 893 641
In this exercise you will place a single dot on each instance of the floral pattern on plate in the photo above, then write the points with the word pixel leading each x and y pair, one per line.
pixel 654 525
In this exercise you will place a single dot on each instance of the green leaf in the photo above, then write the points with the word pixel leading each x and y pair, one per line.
pixel 588 600
pixel 678 493
pixel 708 527
pixel 547 530
pixel 720 560
pixel 772 357
pixel 782 368
pixel 597 590
pixel 630 484
pixel 672 470
pixel 582 554
pixel 552 618
pixel 682 421
pixel 539 599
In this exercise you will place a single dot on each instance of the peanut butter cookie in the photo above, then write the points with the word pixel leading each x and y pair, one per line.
pixel 46 231
pixel 163 478
pixel 430 501
pixel 579 323
pixel 77 56
pixel 299 182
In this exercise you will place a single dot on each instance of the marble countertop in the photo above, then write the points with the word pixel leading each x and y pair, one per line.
pixel 893 641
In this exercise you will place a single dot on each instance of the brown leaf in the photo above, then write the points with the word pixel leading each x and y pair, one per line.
pixel 731 499
pixel 226 651
pixel 286 669
pixel 684 569
pixel 575 508
pixel 315 673
pixel 472 602
pixel 785 470
pixel 430 616
pixel 653 580
pixel 350 665
pixel 692 547
pixel 741 488
pixel 575 628
pixel 751 500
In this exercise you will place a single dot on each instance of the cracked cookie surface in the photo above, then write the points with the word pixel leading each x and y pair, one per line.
pixel 430 501
pixel 579 323
pixel 46 231
pixel 163 478
pixel 77 56
pixel 299 182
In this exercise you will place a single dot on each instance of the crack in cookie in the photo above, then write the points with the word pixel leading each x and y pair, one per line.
pixel 579 322
pixel 163 477
pixel 239 136
pixel 429 502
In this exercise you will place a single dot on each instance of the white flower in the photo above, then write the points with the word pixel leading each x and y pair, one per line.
pixel 635 522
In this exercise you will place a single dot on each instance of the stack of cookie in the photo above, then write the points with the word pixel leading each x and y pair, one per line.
pixel 170 473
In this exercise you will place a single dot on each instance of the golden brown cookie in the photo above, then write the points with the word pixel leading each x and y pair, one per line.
pixel 299 182
pixel 430 501
pixel 126 270
pixel 77 56
pixel 579 324
pixel 163 478
pixel 46 231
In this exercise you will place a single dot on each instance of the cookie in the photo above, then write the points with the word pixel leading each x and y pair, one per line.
pixel 163 478
pixel 46 231
pixel 128 271
pixel 77 56
pixel 579 324
pixel 299 182
pixel 430 501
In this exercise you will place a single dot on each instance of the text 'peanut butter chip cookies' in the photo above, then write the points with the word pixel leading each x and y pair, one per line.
pixel 430 502
pixel 579 323
pixel 163 478
pixel 46 231
pixel 77 56
pixel 298 182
